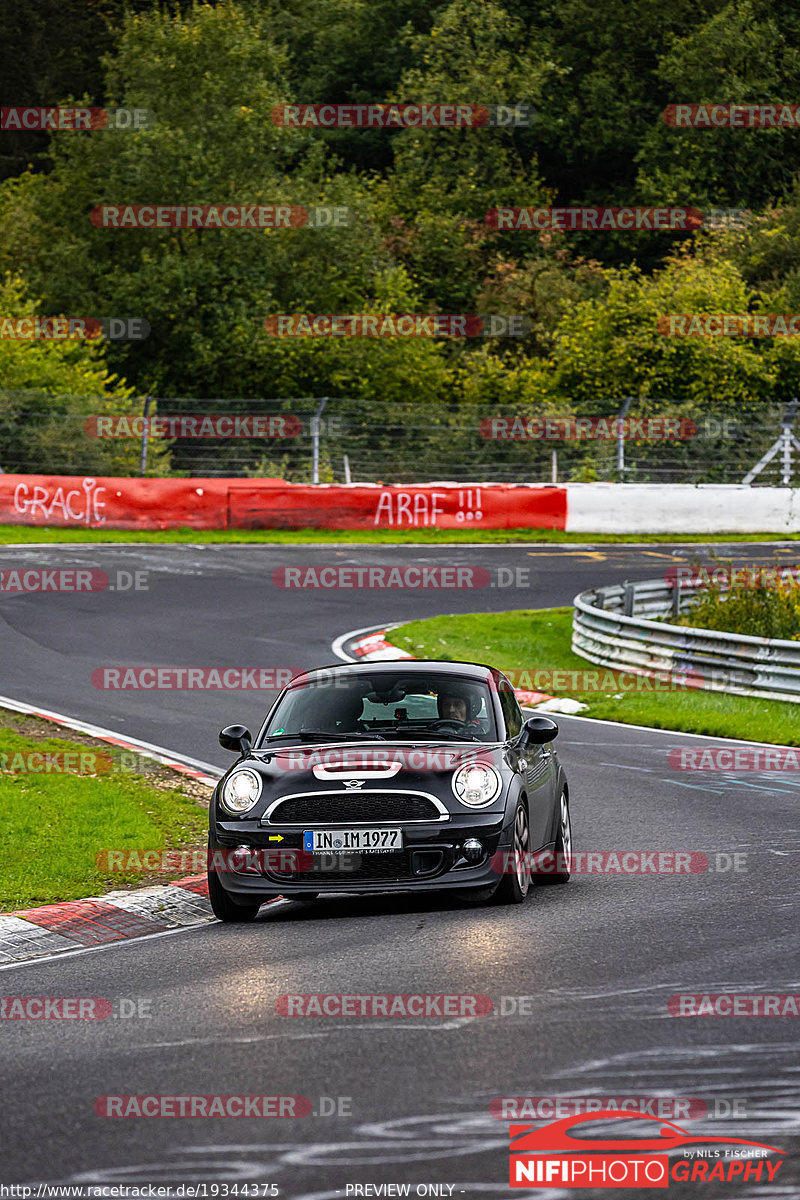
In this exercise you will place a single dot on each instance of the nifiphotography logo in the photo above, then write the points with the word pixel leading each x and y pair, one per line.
pixel 548 1155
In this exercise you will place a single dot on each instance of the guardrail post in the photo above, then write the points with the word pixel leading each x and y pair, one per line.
pixel 630 596
pixel 623 412
pixel 315 440
pixel 145 437
pixel 676 597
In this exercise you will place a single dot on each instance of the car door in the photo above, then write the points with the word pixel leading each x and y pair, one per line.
pixel 536 767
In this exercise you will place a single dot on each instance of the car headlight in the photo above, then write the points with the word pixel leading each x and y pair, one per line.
pixel 476 785
pixel 241 791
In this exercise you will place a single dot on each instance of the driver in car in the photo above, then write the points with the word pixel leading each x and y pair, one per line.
pixel 451 707
pixel 461 706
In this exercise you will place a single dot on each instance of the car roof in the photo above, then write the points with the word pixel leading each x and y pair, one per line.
pixel 407 666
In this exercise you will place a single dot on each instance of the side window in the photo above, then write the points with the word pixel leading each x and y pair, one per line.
pixel 512 714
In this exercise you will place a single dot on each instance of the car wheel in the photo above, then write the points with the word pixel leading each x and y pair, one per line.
pixel 513 888
pixel 224 907
pixel 563 848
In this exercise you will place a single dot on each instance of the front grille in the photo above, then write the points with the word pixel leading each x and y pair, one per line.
pixel 377 868
pixel 353 808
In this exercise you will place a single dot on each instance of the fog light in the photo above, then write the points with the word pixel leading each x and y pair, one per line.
pixel 239 860
pixel 472 850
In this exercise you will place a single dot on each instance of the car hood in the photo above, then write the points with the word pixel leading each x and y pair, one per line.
pixel 381 765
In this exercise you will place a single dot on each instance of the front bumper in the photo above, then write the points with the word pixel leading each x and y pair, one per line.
pixel 431 859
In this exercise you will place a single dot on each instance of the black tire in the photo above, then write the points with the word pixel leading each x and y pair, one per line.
pixel 563 846
pixel 224 907
pixel 514 887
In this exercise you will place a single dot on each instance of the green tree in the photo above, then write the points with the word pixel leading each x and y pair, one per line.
pixel 49 388
pixel 746 53
pixel 612 347
pixel 48 51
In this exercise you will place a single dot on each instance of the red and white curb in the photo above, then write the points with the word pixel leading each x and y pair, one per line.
pixel 100 920
pixel 202 771
pixel 375 647
pixel 116 916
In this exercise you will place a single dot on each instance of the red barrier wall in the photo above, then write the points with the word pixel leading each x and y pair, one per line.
pixel 67 500
pixel 443 506
pixel 118 503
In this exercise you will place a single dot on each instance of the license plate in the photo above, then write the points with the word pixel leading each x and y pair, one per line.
pixel 320 841
pixel 324 863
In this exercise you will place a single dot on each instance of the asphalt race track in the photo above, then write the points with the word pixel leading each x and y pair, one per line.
pixel 595 962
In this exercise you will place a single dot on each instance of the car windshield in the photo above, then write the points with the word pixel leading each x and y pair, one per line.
pixel 386 706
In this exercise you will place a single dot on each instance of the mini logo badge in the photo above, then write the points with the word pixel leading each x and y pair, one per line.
pixel 352 784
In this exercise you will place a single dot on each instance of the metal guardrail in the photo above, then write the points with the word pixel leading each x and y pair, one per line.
pixel 615 626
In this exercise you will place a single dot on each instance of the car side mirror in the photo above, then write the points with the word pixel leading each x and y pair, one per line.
pixel 537 731
pixel 236 738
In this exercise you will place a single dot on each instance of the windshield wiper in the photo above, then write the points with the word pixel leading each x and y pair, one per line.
pixel 437 734
pixel 320 735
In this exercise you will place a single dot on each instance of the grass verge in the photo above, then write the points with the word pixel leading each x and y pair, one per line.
pixel 539 639
pixel 55 824
pixel 17 535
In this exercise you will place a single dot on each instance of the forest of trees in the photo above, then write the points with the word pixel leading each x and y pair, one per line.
pixel 211 74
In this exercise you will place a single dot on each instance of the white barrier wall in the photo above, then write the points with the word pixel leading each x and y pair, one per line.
pixel 681 508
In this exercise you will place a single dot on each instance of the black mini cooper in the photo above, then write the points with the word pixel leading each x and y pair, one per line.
pixel 389 776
